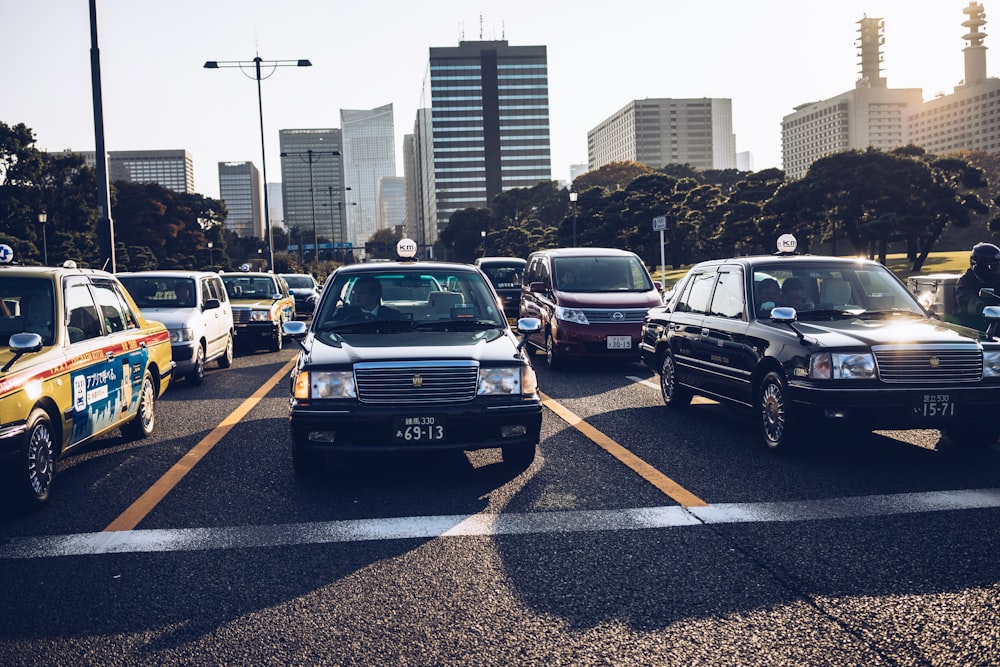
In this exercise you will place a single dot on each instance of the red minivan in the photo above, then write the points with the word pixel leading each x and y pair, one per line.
pixel 591 302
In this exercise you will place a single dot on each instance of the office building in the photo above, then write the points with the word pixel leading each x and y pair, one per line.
pixel 312 186
pixel 239 188
pixel 172 169
pixel 662 131
pixel 489 105
pixel 369 154
pixel 392 203
pixel 418 170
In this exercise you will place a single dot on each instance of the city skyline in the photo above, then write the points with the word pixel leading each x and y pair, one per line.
pixel 767 56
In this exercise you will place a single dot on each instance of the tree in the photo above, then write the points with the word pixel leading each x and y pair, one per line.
pixel 463 237
pixel 382 244
pixel 612 176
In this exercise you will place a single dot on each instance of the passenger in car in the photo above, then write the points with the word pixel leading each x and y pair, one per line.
pixel 768 294
pixel 793 293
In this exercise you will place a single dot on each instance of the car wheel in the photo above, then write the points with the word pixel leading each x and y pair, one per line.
pixel 277 340
pixel 971 438
pixel 142 424
pixel 38 458
pixel 674 395
pixel 777 421
pixel 226 360
pixel 552 358
pixel 197 376
pixel 518 456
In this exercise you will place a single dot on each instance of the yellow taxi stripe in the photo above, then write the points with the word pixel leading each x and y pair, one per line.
pixel 668 486
pixel 138 510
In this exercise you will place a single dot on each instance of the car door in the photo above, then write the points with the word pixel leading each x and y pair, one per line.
pixel 726 354
pixel 215 340
pixel 685 326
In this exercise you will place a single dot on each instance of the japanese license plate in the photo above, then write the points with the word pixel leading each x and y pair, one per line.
pixel 418 429
pixel 934 406
pixel 619 342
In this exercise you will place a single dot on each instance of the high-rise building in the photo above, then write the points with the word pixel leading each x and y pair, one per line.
pixel 239 188
pixel 658 132
pixel 312 186
pixel 421 202
pixel 173 169
pixel 369 154
pixel 489 106
pixel 871 115
pixel 391 202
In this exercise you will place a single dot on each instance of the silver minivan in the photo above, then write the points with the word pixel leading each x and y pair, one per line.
pixel 195 308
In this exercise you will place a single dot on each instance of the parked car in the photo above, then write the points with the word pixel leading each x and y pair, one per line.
pixel 79 360
pixel 196 311
pixel 591 302
pixel 305 290
pixel 434 367
pixel 854 349
pixel 261 304
pixel 506 274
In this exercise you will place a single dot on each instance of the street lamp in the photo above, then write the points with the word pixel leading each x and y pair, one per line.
pixel 572 199
pixel 312 196
pixel 43 217
pixel 211 254
pixel 483 234
pixel 243 66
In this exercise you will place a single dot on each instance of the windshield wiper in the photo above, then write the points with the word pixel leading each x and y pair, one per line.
pixel 883 314
pixel 366 326
pixel 457 325
pixel 826 313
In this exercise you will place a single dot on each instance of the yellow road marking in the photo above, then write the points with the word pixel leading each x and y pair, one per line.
pixel 138 510
pixel 668 486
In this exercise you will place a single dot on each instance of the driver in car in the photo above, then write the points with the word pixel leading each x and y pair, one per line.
pixel 366 302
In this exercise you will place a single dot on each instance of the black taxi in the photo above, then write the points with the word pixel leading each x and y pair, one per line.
pixel 809 342
pixel 79 361
pixel 261 303
pixel 411 356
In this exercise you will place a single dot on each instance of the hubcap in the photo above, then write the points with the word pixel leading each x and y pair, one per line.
pixel 773 412
pixel 40 463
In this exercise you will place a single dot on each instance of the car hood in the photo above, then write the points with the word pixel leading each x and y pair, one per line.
pixel 172 318
pixel 251 303
pixel 608 300
pixel 858 331
pixel 487 347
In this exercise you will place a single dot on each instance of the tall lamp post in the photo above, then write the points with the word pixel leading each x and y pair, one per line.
pixel 308 154
pixel 43 218
pixel 572 199
pixel 211 254
pixel 244 66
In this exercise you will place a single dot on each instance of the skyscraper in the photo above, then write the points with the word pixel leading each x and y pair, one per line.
pixel 312 184
pixel 173 169
pixel 490 123
pixel 369 154
pixel 239 188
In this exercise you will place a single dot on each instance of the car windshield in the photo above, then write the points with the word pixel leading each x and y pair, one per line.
pixel 600 274
pixel 26 305
pixel 160 292
pixel 818 290
pixel 408 299
pixel 250 287
pixel 299 282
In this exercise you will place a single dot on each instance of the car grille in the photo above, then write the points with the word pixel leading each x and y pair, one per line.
pixel 929 363
pixel 241 315
pixel 439 382
pixel 615 314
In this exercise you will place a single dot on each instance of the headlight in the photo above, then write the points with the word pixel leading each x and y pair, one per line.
pixel 506 381
pixel 181 335
pixel 991 363
pixel 325 384
pixel 842 366
pixel 571 315
pixel 260 315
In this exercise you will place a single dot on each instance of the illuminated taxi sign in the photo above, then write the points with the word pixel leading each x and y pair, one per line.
pixel 6 254
pixel 406 248
pixel 787 244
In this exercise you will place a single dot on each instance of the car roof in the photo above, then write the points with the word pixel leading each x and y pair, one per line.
pixel 387 267
pixel 772 260
pixel 50 271
pixel 584 252
pixel 168 273
pixel 500 260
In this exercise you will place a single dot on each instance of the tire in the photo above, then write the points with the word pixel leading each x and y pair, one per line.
pixel 969 439
pixel 142 424
pixel 778 426
pixel 552 358
pixel 226 360
pixel 275 344
pixel 37 461
pixel 674 396
pixel 197 376
pixel 518 456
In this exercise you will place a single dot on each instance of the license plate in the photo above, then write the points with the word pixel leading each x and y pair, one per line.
pixel 619 342
pixel 418 429
pixel 934 406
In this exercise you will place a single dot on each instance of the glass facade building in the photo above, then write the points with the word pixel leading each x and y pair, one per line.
pixel 369 155
pixel 312 185
pixel 239 188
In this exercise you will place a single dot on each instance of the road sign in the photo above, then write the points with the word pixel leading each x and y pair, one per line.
pixel 659 223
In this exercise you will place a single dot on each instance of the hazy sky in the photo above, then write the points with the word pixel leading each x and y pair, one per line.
pixel 768 56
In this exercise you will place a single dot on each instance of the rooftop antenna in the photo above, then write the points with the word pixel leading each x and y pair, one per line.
pixel 480 26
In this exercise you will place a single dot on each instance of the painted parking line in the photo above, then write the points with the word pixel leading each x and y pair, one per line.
pixel 668 486
pixel 695 400
pixel 461 525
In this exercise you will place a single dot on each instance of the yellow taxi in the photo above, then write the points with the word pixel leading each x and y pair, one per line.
pixel 80 360
pixel 261 304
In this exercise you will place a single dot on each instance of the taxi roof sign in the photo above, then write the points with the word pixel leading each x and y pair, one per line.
pixel 787 244
pixel 406 248
pixel 6 254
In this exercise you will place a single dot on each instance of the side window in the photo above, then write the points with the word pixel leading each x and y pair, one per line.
pixel 218 290
pixel 113 313
pixel 697 293
pixel 82 319
pixel 728 298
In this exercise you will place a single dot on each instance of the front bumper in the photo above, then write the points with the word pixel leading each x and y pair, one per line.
pixel 476 425
pixel 591 340
pixel 183 356
pixel 255 332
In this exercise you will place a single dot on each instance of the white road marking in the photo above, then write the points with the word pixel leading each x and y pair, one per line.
pixel 425 527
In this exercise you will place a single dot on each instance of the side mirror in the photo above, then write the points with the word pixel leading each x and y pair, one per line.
pixel 212 303
pixel 538 287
